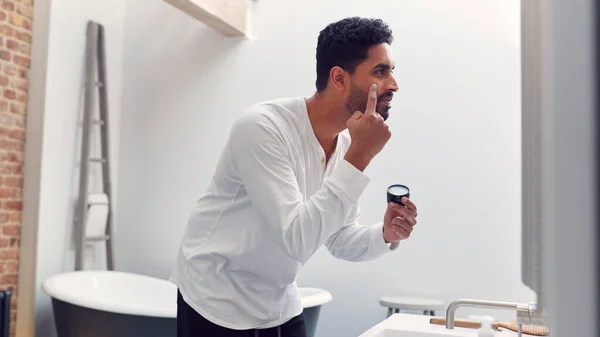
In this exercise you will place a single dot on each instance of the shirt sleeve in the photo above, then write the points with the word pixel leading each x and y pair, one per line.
pixel 262 162
pixel 356 242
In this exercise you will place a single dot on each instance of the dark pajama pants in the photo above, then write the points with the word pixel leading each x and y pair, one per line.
pixel 191 324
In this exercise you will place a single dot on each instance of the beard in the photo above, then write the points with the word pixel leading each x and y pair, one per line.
pixel 357 100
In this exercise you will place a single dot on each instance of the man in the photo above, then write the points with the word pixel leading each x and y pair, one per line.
pixel 288 182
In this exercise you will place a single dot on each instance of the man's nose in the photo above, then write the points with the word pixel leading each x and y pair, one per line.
pixel 393 85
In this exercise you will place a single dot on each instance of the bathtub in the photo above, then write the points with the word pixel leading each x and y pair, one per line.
pixel 118 304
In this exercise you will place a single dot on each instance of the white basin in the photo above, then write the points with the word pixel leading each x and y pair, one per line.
pixel 408 333
pixel 407 325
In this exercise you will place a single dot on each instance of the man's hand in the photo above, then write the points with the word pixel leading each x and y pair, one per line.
pixel 368 133
pixel 399 221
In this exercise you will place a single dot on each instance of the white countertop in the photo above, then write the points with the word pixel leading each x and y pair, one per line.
pixel 408 325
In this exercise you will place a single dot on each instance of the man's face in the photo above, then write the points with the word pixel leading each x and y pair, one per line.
pixel 377 68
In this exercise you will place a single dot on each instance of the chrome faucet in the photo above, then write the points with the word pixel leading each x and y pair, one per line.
pixel 524 310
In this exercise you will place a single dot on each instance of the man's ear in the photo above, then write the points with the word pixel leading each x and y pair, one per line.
pixel 339 78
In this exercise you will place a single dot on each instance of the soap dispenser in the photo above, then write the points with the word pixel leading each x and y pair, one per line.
pixel 486 329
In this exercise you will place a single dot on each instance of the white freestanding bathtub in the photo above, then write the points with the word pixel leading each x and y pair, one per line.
pixel 118 304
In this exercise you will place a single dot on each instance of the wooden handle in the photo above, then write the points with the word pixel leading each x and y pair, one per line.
pixel 526 329
pixel 461 323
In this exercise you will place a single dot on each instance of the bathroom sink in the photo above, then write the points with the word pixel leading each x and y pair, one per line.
pixel 408 325
pixel 408 333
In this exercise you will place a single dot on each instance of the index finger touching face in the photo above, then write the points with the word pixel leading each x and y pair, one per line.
pixel 372 100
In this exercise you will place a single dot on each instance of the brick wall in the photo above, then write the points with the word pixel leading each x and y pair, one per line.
pixel 15 46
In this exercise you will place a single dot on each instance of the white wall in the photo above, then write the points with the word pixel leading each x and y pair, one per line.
pixel 456 140
pixel 55 134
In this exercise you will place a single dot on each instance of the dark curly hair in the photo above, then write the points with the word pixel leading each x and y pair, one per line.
pixel 346 44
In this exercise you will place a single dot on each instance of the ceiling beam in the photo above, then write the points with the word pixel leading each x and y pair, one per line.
pixel 225 16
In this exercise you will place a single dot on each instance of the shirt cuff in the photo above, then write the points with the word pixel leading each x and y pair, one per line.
pixel 349 180
pixel 378 244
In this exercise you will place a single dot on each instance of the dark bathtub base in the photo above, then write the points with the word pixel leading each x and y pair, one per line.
pixel 311 316
pixel 76 321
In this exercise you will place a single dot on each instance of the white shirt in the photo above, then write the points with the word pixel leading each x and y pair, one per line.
pixel 271 204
